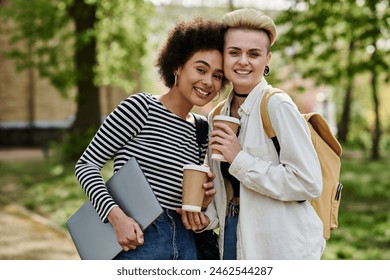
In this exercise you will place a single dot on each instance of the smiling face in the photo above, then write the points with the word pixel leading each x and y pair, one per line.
pixel 200 78
pixel 246 53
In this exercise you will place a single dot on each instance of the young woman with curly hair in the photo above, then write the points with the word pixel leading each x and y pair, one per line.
pixel 160 132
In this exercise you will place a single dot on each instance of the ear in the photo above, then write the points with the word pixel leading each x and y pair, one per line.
pixel 269 56
pixel 179 70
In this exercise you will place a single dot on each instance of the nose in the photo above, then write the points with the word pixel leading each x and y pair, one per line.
pixel 207 80
pixel 243 60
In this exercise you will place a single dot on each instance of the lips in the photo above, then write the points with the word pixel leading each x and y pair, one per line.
pixel 242 72
pixel 201 91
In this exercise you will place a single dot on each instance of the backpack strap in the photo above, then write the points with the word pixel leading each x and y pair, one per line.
pixel 218 108
pixel 317 121
pixel 265 116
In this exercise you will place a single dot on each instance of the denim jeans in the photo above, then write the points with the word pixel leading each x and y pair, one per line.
pixel 165 239
pixel 230 236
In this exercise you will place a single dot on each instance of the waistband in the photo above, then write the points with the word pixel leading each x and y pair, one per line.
pixel 233 210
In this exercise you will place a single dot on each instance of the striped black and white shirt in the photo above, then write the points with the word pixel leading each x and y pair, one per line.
pixel 143 128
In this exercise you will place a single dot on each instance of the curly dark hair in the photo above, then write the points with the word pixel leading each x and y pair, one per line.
pixel 184 40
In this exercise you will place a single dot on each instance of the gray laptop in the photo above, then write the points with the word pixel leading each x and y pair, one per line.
pixel 95 240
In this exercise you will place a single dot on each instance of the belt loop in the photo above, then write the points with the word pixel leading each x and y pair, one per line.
pixel 234 210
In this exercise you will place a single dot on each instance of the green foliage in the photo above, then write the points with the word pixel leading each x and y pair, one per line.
pixel 48 188
pixel 73 145
pixel 329 39
pixel 364 217
pixel 335 43
pixel 363 235
pixel 44 37
pixel 123 28
pixel 359 135
pixel 80 44
pixel 57 189
pixel 377 185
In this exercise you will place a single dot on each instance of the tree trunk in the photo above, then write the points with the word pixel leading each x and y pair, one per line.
pixel 88 103
pixel 231 5
pixel 343 125
pixel 31 101
pixel 376 135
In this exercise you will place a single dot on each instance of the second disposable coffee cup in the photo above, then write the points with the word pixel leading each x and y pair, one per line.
pixel 194 176
pixel 233 123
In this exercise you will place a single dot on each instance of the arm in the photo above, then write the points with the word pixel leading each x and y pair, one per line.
pixel 124 123
pixel 298 175
pixel 128 232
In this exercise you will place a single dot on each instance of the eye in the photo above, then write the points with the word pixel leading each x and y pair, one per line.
pixel 254 54
pixel 218 76
pixel 234 53
pixel 201 70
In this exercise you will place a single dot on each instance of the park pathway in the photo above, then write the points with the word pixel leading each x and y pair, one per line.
pixel 28 236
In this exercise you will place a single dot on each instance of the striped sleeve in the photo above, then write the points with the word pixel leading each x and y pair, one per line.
pixel 123 124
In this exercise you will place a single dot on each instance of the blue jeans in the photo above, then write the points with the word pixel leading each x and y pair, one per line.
pixel 165 239
pixel 230 235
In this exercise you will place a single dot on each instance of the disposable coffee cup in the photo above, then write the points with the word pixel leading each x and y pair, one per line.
pixel 233 123
pixel 194 176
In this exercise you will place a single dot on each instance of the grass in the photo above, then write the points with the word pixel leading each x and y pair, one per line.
pixel 50 189
pixel 364 215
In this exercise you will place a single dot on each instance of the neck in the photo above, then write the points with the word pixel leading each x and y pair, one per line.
pixel 240 94
pixel 235 105
pixel 176 105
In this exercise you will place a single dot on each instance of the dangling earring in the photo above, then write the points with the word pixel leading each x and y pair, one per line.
pixel 175 74
pixel 266 71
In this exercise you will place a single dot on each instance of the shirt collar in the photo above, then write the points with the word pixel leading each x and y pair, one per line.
pixel 250 101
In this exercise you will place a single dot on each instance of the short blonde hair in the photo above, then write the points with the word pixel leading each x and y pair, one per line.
pixel 251 19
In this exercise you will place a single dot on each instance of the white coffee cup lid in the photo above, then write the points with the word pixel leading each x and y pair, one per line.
pixel 201 168
pixel 218 157
pixel 191 208
pixel 226 118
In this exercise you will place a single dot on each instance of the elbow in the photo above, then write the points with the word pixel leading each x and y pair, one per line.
pixel 316 190
pixel 316 194
pixel 312 187
pixel 78 164
pixel 315 184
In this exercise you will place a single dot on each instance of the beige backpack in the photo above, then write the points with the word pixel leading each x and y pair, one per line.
pixel 328 151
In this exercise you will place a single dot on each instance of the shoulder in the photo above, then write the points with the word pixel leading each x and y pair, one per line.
pixel 280 100
pixel 140 100
pixel 139 96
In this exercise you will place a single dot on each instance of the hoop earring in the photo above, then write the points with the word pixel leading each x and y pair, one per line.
pixel 266 71
pixel 175 74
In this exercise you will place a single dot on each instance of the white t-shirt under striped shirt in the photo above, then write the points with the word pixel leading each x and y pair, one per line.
pixel 143 128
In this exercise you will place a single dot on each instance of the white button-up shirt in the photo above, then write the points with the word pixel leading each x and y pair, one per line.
pixel 273 224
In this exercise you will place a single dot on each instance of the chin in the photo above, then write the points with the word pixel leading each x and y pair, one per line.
pixel 201 103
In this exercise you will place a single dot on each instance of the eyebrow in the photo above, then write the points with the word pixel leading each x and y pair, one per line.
pixel 253 49
pixel 208 65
